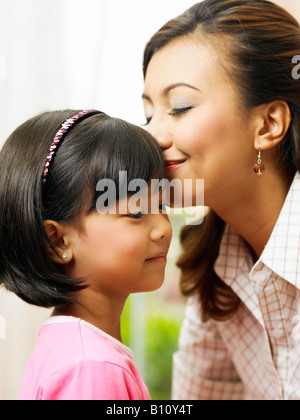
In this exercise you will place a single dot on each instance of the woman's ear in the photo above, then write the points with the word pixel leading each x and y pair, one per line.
pixel 274 122
pixel 60 251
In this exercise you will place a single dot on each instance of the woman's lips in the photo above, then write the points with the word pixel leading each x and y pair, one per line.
pixel 172 165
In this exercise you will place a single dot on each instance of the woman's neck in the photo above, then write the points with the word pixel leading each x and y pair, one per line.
pixel 253 210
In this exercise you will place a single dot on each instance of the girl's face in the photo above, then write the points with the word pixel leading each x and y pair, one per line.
pixel 120 254
pixel 193 111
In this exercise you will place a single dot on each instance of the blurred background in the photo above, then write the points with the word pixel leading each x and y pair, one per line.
pixel 57 54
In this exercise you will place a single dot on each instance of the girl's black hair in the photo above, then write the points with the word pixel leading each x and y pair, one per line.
pixel 97 148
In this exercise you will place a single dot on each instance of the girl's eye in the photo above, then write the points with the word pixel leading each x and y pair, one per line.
pixel 136 216
pixel 180 111
pixel 163 207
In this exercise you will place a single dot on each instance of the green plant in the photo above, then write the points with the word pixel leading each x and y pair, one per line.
pixel 162 325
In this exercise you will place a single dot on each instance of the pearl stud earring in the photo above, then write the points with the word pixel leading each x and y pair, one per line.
pixel 65 256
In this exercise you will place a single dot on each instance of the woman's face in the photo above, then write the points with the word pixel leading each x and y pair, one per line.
pixel 193 111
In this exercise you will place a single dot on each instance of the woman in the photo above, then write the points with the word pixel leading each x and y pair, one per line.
pixel 222 102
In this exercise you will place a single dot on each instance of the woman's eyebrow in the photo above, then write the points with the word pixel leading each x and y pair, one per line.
pixel 176 85
pixel 171 87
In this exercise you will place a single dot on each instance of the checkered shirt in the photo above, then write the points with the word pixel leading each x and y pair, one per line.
pixel 255 354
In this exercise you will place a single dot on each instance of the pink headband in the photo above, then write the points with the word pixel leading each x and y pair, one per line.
pixel 61 133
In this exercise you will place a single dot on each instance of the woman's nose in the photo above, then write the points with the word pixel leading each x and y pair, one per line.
pixel 161 134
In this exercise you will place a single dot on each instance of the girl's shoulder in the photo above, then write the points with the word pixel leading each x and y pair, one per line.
pixel 78 340
pixel 75 360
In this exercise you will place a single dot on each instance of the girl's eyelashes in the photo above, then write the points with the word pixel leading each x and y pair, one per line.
pixel 180 111
pixel 136 216
pixel 139 215
pixel 163 207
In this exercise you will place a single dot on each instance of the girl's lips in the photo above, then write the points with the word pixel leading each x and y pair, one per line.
pixel 171 165
pixel 159 258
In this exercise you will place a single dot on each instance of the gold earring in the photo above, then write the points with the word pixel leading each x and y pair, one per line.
pixel 259 168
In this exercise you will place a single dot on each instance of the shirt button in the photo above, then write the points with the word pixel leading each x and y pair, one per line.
pixel 260 278
pixel 277 334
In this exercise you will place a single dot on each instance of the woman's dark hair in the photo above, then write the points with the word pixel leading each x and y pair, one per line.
pixel 96 148
pixel 258 42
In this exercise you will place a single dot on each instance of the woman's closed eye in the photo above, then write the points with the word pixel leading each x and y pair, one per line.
pixel 148 121
pixel 180 111
pixel 176 112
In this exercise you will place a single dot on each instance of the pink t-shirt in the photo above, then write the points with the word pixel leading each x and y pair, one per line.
pixel 73 360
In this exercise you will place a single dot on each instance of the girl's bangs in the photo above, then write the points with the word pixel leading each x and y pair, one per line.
pixel 126 153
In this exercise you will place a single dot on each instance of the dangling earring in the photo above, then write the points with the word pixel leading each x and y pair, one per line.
pixel 259 168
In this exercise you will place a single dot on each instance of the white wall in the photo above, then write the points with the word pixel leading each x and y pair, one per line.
pixel 66 53
pixel 293 6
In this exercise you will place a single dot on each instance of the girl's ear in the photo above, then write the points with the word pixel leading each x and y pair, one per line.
pixel 60 252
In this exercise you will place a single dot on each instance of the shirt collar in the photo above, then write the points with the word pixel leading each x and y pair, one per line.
pixel 233 266
pixel 234 257
pixel 282 253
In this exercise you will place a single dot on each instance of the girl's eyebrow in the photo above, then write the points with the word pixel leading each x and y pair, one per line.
pixel 171 87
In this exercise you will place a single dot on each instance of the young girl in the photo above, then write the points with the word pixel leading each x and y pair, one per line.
pixel 58 251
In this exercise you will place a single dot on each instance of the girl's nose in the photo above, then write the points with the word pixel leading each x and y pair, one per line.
pixel 162 228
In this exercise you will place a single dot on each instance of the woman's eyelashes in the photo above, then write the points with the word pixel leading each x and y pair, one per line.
pixel 176 112
pixel 180 111
pixel 148 121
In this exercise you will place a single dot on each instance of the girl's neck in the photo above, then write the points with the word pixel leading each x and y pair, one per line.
pixel 253 211
pixel 101 311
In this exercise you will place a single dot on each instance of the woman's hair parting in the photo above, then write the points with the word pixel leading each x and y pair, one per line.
pixel 257 41
pixel 50 167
